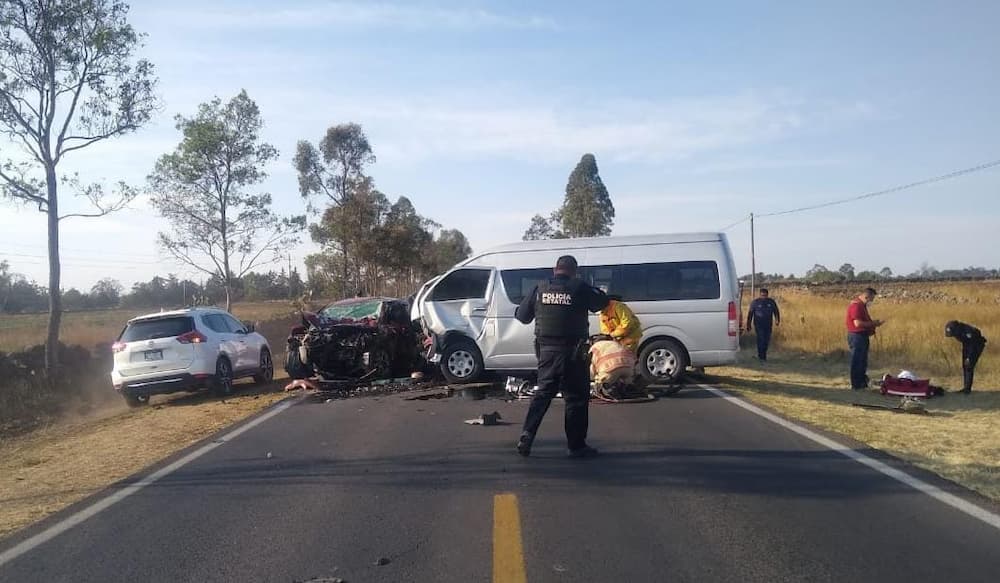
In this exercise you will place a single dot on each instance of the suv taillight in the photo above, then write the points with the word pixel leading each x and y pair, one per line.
pixel 192 337
pixel 734 320
pixel 118 347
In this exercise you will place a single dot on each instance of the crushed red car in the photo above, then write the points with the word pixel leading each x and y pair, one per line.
pixel 358 338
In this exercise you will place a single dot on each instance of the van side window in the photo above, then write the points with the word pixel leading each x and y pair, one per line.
pixel 607 278
pixel 518 283
pixel 464 284
pixel 682 280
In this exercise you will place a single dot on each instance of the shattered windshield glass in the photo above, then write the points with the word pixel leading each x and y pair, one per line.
pixel 353 311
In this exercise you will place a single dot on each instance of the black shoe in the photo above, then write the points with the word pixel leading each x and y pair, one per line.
pixel 582 453
pixel 524 444
pixel 966 391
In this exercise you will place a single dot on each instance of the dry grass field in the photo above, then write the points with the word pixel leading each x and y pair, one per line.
pixel 806 375
pixel 88 329
pixel 913 336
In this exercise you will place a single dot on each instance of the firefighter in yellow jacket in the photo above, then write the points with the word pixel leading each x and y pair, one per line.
pixel 618 321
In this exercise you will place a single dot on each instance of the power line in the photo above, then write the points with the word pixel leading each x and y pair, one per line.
pixel 102 252
pixel 739 222
pixel 70 258
pixel 925 182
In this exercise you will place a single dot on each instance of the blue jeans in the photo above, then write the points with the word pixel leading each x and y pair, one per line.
pixel 859 344
pixel 763 340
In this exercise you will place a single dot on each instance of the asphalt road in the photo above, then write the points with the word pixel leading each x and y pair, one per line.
pixel 691 488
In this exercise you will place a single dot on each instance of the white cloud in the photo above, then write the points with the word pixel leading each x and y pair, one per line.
pixel 623 130
pixel 354 14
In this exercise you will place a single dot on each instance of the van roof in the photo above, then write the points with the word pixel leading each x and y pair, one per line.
pixel 594 242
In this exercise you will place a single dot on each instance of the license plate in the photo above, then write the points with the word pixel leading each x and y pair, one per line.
pixel 153 355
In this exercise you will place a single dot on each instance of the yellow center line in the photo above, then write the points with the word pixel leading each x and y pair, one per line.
pixel 508 554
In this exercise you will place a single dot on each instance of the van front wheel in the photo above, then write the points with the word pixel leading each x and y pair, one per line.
pixel 461 362
pixel 663 361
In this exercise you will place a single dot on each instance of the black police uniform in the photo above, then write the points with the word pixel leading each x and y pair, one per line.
pixel 559 308
pixel 973 344
pixel 762 313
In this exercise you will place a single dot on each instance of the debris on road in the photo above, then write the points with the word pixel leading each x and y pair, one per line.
pixel 429 396
pixel 382 562
pixel 519 388
pixel 302 384
pixel 906 405
pixel 493 418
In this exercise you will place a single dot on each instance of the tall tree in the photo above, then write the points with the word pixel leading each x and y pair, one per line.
pixel 106 293
pixel 847 270
pixel 587 210
pixel 450 247
pixel 337 167
pixel 68 80
pixel 203 189
pixel 885 273
pixel 336 170
pixel 540 228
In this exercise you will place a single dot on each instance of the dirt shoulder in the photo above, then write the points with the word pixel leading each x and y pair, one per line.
pixel 49 469
pixel 959 439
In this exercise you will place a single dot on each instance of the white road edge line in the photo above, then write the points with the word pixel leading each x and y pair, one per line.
pixel 105 503
pixel 933 491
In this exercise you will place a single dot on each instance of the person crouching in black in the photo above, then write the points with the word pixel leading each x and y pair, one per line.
pixel 559 309
pixel 973 344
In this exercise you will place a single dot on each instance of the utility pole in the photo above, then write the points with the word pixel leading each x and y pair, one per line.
pixel 753 262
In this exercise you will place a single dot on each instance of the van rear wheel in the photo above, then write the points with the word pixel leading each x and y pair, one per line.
pixel 461 362
pixel 663 362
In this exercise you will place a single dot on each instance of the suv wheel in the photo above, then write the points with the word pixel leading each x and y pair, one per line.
pixel 136 400
pixel 223 382
pixel 663 361
pixel 461 362
pixel 266 372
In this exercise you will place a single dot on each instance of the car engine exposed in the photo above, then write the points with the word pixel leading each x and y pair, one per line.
pixel 351 351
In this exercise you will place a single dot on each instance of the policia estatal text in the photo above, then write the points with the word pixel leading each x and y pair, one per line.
pixel 559 309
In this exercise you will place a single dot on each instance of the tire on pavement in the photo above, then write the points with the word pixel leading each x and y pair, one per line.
pixel 663 361
pixel 461 362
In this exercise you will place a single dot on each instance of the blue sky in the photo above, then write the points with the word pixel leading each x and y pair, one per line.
pixel 698 114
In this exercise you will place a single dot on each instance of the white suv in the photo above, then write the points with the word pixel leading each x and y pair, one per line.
pixel 184 350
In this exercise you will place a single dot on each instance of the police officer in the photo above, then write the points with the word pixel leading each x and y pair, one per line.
pixel 973 344
pixel 559 308
pixel 763 311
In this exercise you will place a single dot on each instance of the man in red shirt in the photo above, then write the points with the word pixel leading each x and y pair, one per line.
pixel 860 329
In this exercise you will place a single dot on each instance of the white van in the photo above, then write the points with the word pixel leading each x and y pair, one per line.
pixel 683 288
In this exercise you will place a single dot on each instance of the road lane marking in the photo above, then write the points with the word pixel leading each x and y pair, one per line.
pixel 508 552
pixel 105 503
pixel 938 494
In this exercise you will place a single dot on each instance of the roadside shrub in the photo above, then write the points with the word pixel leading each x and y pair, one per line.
pixel 29 399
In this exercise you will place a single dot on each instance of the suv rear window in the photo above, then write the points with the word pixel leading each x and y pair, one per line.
pixel 157 328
